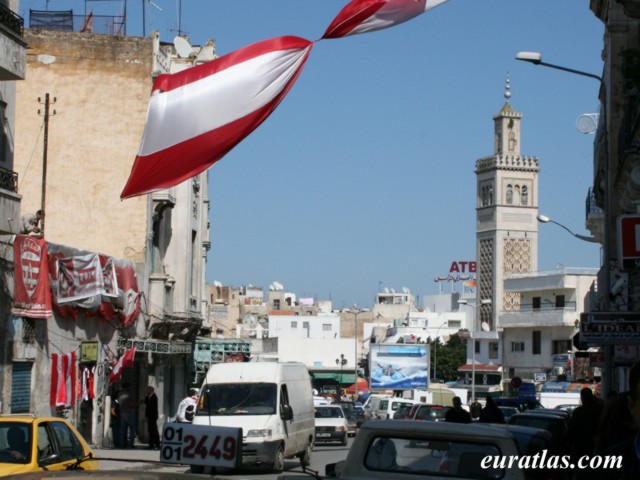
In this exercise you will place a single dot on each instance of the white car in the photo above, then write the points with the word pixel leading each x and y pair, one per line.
pixel 331 424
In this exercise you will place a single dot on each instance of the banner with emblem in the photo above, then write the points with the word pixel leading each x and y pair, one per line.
pixel 32 294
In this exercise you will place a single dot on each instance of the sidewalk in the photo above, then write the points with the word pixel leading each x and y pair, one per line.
pixel 137 458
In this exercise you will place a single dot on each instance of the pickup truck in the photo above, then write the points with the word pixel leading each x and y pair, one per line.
pixel 385 449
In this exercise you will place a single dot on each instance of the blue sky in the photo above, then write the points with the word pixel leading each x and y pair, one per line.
pixel 364 175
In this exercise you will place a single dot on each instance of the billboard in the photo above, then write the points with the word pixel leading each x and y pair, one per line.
pixel 398 366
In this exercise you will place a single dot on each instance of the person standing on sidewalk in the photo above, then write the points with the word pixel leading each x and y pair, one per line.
pixel 151 416
pixel 127 417
pixel 187 407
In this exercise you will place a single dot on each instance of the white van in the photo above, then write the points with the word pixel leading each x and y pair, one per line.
pixel 386 407
pixel 371 405
pixel 272 403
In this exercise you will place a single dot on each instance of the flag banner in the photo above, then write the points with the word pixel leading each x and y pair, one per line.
pixel 32 292
pixel 361 16
pixel 119 298
pixel 198 115
pixel 79 278
pixel 125 361
pixel 63 379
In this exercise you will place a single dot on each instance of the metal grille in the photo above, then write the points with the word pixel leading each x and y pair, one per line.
pixel 11 20
pixel 8 180
pixel 21 387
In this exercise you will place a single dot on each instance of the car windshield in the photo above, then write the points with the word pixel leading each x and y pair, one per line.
pixel 15 442
pixel 329 412
pixel 238 399
pixel 427 457
pixel 431 413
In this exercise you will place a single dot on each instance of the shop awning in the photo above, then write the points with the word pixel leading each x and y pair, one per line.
pixel 338 377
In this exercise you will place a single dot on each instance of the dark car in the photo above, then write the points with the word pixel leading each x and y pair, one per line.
pixel 508 412
pixel 358 412
pixel 554 424
pixel 429 413
pixel 403 411
pixel 532 441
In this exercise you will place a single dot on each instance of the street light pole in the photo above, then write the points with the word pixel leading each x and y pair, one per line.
pixel 486 301
pixel 536 59
pixel 545 219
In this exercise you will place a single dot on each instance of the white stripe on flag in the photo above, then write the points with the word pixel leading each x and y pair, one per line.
pixel 217 100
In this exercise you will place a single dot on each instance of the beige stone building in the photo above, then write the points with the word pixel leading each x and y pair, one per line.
pixel 98 88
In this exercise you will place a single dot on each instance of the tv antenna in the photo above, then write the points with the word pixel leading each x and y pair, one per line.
pixel 144 10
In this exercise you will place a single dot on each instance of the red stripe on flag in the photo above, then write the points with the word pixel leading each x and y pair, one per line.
pixel 351 16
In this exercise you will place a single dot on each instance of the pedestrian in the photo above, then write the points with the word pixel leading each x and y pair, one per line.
pixel 583 426
pixel 616 422
pixel 115 419
pixel 187 407
pixel 30 223
pixel 627 450
pixel 127 417
pixel 491 413
pixel 457 414
pixel 151 416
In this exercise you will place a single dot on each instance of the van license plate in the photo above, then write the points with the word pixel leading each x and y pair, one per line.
pixel 323 434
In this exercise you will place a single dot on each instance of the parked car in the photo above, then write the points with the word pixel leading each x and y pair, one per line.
pixel 508 412
pixel 567 407
pixel 429 413
pixel 331 424
pixel 359 415
pixel 386 407
pixel 554 424
pixel 532 441
pixel 349 409
pixel 402 413
pixel 371 405
pixel 35 444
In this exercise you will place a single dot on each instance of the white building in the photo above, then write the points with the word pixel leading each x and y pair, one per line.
pixel 547 319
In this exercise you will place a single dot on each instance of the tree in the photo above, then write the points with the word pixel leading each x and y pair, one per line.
pixel 450 356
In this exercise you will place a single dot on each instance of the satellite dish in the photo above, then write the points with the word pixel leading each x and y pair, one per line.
pixel 405 290
pixel 485 327
pixel 587 123
pixel 217 283
pixel 386 289
pixel 183 47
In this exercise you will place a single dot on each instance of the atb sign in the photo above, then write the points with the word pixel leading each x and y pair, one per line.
pixel 189 444
pixel 629 241
pixel 601 328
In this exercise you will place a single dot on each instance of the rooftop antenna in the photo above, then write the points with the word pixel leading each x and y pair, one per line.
pixel 144 9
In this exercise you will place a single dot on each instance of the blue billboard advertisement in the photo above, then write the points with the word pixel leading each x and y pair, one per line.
pixel 399 366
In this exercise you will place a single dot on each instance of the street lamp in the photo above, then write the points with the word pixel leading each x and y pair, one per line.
pixel 355 312
pixel 536 59
pixel 545 219
pixel 342 362
pixel 486 301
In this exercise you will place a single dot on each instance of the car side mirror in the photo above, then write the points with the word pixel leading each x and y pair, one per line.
pixel 287 412
pixel 49 459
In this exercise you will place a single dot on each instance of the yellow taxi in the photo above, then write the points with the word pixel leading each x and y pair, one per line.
pixel 34 444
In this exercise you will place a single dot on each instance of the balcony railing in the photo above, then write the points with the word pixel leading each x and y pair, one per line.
pixel 8 180
pixel 11 20
pixel 66 21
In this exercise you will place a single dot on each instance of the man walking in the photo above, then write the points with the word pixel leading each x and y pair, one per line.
pixel 457 414
pixel 187 407
pixel 151 416
pixel 127 417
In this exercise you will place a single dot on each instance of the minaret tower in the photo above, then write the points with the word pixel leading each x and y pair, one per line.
pixel 506 211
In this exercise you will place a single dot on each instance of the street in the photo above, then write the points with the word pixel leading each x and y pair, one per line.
pixel 148 460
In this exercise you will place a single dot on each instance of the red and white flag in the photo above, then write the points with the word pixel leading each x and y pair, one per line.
pixel 361 16
pixel 32 292
pixel 198 115
pixel 63 379
pixel 125 361
pixel 79 277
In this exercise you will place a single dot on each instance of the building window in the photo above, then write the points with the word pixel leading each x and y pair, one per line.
pixel 454 324
pixel 493 350
pixel 517 346
pixel 509 194
pixel 560 346
pixel 276 304
pixel 559 301
pixel 536 346
pixel 477 346
pixel 21 387
pixel 28 330
pixel 294 324
pixel 305 325
pixel 326 327
pixel 536 303
pixel 525 195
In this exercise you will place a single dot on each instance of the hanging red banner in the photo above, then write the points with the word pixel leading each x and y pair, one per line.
pixel 32 294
